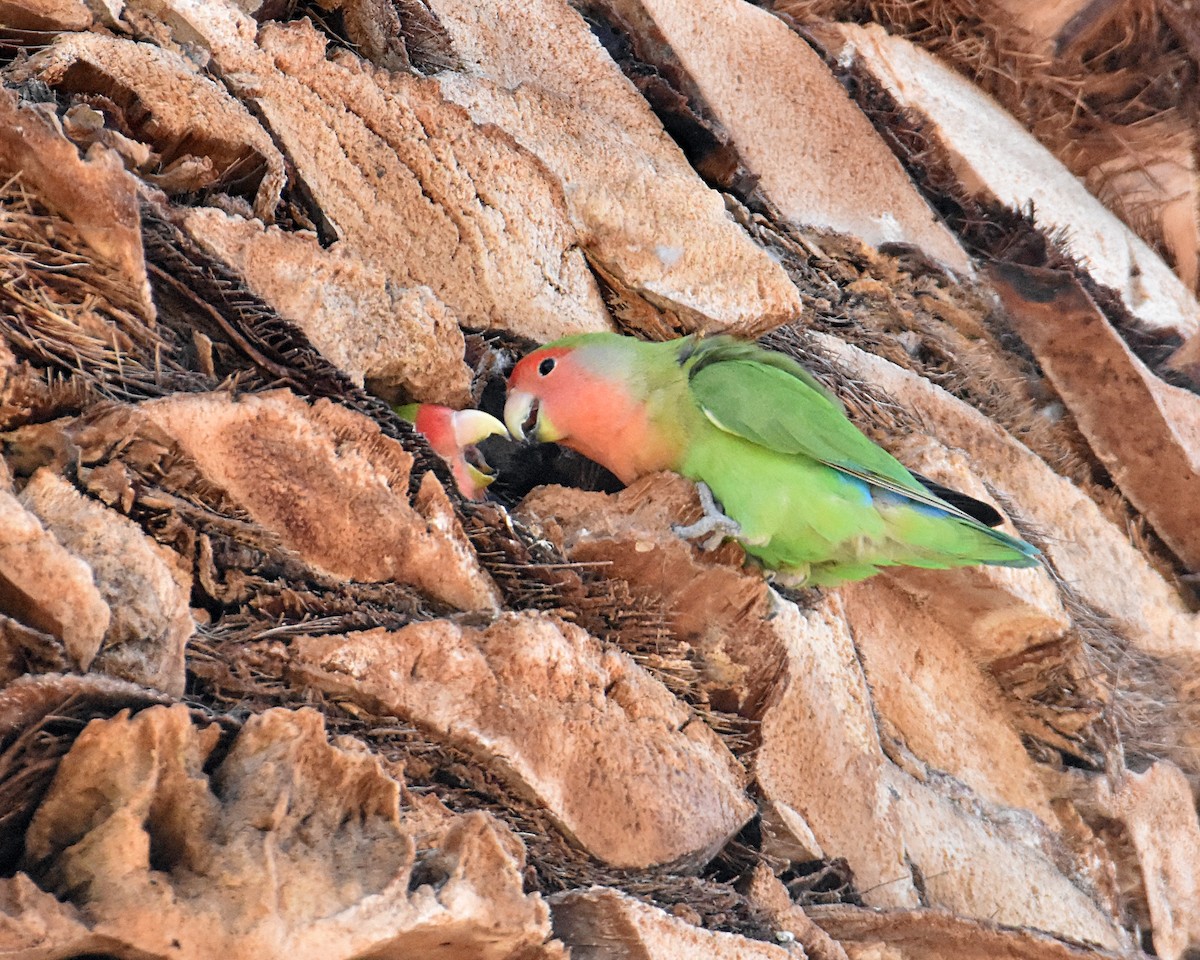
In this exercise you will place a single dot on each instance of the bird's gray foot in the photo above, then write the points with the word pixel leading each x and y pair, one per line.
pixel 775 602
pixel 714 526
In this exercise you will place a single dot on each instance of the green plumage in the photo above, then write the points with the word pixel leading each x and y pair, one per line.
pixel 816 500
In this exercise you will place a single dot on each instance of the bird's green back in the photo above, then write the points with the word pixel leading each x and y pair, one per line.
pixel 772 401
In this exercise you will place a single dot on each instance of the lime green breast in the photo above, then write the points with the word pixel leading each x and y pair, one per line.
pixel 793 511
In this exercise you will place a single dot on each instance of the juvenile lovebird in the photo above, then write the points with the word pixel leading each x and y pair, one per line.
pixel 799 486
pixel 453 434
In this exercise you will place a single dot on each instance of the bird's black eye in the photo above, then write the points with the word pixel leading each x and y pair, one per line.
pixel 546 366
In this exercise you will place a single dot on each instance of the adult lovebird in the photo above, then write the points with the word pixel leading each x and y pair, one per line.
pixel 453 434
pixel 801 488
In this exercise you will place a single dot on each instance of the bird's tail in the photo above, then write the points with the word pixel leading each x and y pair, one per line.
pixel 1008 551
pixel 933 538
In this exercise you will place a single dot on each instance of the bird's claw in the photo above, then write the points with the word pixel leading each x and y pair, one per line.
pixel 714 526
pixel 776 603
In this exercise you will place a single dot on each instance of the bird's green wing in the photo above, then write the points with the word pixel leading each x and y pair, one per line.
pixel 700 352
pixel 771 400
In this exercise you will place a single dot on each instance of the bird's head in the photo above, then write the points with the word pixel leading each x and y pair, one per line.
pixel 453 434
pixel 591 392
pixel 545 391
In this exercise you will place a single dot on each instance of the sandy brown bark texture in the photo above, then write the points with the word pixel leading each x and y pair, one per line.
pixel 271 687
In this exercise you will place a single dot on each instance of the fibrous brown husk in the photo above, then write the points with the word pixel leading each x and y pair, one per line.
pixel 1155 460
pixel 537 72
pixel 583 732
pixel 95 192
pixel 202 848
pixel 199 137
pixel 824 171
pixel 883 725
pixel 1090 81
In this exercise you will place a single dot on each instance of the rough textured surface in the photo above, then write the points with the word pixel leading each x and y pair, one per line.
pixel 201 136
pixel 30 559
pixel 329 870
pixel 486 206
pixel 45 14
pixel 1157 179
pixel 31 698
pixel 997 867
pixel 536 71
pixel 822 765
pixel 1146 432
pixel 1162 824
pixel 15 380
pixel 1040 25
pixel 828 170
pixel 713 607
pixel 366 326
pixel 95 193
pixel 933 935
pixel 403 178
pixel 969 124
pixel 597 924
pixel 999 610
pixel 1156 816
pixel 467 212
pixel 331 486
pixel 142 583
pixel 1134 68
pixel 827 781
pixel 1187 358
pixel 616 760
pixel 926 684
pixel 997 763
pixel 768 893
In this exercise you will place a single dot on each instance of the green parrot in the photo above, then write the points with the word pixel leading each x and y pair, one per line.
pixel 800 487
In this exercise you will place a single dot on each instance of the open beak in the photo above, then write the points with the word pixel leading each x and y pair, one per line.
pixel 521 414
pixel 475 477
pixel 473 473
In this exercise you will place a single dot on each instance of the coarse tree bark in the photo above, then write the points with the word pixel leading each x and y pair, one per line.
pixel 270 685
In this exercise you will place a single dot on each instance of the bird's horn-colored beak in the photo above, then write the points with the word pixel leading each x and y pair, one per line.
pixel 517 409
pixel 481 480
pixel 471 426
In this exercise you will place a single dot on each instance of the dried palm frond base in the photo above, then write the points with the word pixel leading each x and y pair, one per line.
pixel 212 336
pixel 448 707
pixel 40 717
pixel 953 333
pixel 246 678
pixel 1111 91
pixel 73 315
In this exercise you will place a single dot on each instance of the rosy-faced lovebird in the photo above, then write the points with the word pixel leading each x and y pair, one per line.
pixel 453 434
pixel 800 487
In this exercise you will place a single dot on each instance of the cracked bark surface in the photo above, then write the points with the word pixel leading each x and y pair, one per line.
pixel 270 685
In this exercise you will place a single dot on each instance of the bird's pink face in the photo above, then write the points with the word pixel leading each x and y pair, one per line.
pixel 555 395
pixel 453 435
pixel 545 390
